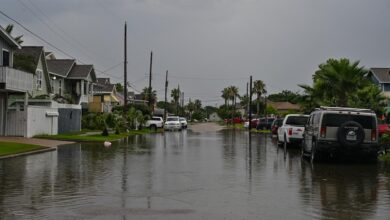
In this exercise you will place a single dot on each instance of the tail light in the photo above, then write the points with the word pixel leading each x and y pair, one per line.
pixel 373 135
pixel 323 132
pixel 290 131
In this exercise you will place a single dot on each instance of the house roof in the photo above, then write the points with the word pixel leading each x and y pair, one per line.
pixel 104 88
pixel 60 67
pixel 381 74
pixel 8 38
pixel 283 105
pixel 82 72
pixel 33 51
pixel 103 80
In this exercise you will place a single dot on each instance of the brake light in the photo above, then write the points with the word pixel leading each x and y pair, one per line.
pixel 323 132
pixel 290 131
pixel 373 135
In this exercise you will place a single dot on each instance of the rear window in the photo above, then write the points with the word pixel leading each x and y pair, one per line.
pixel 297 120
pixel 172 119
pixel 335 120
pixel 155 119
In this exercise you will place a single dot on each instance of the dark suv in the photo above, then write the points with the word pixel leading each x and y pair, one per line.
pixel 332 131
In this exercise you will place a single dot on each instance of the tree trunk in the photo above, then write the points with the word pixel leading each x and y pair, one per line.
pixel 258 105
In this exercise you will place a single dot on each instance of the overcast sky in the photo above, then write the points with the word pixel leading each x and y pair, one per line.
pixel 210 44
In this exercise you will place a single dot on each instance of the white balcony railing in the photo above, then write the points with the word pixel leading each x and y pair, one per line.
pixel 16 80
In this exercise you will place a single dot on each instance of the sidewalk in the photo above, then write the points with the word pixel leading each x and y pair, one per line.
pixel 35 141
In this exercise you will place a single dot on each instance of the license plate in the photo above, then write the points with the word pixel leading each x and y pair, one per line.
pixel 351 138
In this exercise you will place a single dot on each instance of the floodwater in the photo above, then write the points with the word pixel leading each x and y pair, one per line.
pixel 186 175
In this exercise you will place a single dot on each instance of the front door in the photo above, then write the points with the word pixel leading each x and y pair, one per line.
pixel 2 114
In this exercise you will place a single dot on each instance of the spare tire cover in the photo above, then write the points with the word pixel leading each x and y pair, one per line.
pixel 351 133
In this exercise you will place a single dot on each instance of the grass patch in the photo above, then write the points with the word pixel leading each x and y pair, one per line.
pixel 9 148
pixel 385 157
pixel 83 136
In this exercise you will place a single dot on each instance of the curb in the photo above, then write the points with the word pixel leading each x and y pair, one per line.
pixel 29 153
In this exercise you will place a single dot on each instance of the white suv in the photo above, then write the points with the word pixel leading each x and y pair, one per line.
pixel 155 122
pixel 337 131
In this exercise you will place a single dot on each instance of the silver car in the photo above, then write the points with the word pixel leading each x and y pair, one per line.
pixel 337 131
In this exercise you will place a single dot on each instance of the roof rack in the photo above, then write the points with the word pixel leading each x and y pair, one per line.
pixel 346 109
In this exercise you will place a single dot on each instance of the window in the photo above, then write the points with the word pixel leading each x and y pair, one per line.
pixel 85 88
pixel 5 57
pixel 39 74
pixel 335 120
pixel 297 120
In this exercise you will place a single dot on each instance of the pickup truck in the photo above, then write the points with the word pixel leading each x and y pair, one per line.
pixel 292 129
pixel 154 123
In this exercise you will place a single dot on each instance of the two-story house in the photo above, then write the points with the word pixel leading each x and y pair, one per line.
pixel 12 81
pixel 59 69
pixel 104 97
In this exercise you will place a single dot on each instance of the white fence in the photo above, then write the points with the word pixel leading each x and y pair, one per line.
pixel 33 121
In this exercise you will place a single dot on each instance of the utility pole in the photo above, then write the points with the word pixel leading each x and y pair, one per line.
pixel 150 81
pixel 125 70
pixel 166 90
pixel 182 104
pixel 177 103
pixel 250 104
pixel 247 101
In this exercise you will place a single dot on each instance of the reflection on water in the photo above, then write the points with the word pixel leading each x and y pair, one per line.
pixel 176 175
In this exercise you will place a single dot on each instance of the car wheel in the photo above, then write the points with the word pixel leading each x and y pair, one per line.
pixel 153 127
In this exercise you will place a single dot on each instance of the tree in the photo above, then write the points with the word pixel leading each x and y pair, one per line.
pixel 225 95
pixel 285 96
pixel 145 95
pixel 9 29
pixel 175 94
pixel 336 80
pixel 233 94
pixel 369 97
pixel 197 105
pixel 119 87
pixel 259 89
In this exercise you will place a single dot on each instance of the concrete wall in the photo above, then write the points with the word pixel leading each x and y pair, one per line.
pixel 69 120
pixel 40 122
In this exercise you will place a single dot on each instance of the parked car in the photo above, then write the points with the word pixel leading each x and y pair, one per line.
pixel 292 129
pixel 336 130
pixel 183 122
pixel 236 120
pixel 172 123
pixel 155 122
pixel 264 123
pixel 383 128
pixel 275 125
pixel 254 123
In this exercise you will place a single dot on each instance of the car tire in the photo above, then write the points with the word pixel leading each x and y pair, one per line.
pixel 153 127
pixel 345 128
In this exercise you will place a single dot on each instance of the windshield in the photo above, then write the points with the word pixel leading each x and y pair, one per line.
pixel 172 119
pixel 335 120
pixel 297 120
pixel 182 119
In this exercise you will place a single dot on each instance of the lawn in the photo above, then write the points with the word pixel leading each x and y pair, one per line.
pixel 84 137
pixel 8 148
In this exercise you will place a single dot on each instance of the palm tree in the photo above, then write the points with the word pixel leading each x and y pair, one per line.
pixel 233 94
pixel 175 94
pixel 145 95
pixel 9 29
pixel 197 104
pixel 338 79
pixel 259 89
pixel 225 96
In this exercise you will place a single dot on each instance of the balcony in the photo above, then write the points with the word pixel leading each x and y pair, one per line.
pixel 15 80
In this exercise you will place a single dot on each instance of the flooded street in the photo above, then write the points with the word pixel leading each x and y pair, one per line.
pixel 189 175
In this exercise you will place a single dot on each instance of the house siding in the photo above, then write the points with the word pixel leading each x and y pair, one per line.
pixel 43 90
pixel 4 45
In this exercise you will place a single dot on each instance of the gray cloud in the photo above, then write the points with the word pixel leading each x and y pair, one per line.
pixel 279 41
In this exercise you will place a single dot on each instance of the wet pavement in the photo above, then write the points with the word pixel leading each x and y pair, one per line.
pixel 187 175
